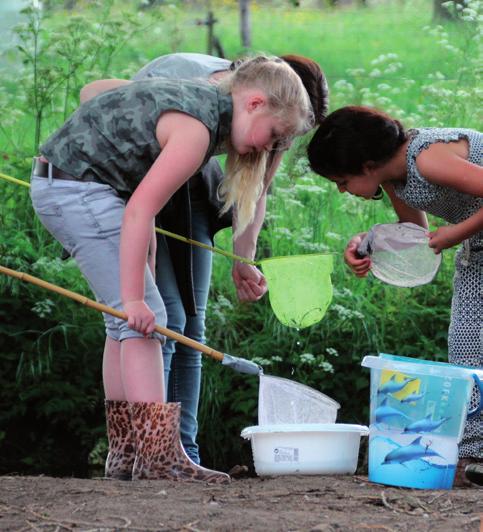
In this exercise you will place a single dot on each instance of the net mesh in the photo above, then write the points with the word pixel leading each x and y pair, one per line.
pixel 300 288
pixel 282 401
pixel 400 254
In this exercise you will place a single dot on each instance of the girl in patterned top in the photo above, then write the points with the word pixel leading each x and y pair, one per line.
pixel 434 170
pixel 97 187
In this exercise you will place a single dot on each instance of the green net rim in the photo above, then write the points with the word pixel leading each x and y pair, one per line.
pixel 270 259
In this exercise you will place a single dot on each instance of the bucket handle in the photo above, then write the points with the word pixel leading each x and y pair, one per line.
pixel 479 408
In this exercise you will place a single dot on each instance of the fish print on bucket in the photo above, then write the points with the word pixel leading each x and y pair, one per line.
pixel 417 417
pixel 385 412
pixel 395 383
pixel 412 398
pixel 426 424
pixel 414 451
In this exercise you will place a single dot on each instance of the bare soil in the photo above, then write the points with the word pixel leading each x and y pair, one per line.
pixel 291 503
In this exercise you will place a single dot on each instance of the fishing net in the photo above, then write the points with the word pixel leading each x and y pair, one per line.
pixel 299 287
pixel 400 254
pixel 283 401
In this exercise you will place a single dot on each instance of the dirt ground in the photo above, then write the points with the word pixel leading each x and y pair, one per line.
pixel 291 503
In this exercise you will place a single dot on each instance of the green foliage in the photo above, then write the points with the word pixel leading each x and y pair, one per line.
pixel 51 407
pixel 58 60
pixel 51 413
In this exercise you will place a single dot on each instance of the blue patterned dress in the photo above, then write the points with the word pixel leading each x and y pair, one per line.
pixel 465 335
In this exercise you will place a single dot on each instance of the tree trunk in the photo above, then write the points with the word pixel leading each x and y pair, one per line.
pixel 245 24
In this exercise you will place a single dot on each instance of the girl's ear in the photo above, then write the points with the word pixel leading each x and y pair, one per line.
pixel 369 166
pixel 255 101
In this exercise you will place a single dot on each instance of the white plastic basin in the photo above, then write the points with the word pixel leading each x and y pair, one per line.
pixel 305 449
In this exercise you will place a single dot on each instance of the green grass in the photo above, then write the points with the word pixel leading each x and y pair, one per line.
pixel 339 40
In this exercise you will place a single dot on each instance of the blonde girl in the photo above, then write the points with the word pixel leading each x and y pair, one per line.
pixel 97 186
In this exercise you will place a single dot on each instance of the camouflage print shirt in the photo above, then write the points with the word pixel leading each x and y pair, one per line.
pixel 112 138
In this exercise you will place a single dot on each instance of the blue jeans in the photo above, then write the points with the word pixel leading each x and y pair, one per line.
pixel 182 364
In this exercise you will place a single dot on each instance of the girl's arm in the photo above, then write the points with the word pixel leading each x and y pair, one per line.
pixel 448 236
pixel 101 85
pixel 249 281
pixel 174 165
pixel 445 165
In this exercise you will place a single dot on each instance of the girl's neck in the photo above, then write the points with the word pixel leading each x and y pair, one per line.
pixel 396 168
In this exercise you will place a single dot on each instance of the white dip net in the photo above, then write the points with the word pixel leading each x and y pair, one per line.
pixel 400 254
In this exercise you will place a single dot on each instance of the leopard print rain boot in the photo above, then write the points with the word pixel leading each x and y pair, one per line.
pixel 120 458
pixel 159 452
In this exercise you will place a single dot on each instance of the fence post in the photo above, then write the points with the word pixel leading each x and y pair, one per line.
pixel 245 24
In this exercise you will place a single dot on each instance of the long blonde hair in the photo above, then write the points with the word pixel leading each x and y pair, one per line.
pixel 287 99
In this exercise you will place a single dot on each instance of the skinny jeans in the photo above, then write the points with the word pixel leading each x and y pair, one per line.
pixel 182 364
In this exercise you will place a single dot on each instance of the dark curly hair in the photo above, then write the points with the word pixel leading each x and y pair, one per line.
pixel 352 136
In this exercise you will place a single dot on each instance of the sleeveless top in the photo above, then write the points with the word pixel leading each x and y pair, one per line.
pixel 194 66
pixel 444 202
pixel 112 138
pixel 176 214
pixel 183 66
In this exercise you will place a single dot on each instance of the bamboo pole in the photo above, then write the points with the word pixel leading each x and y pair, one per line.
pixel 217 355
pixel 163 232
pixel 14 180
pixel 206 246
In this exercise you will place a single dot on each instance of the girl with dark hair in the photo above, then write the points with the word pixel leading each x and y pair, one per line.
pixel 434 170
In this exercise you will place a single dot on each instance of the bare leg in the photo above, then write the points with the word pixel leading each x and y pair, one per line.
pixel 142 370
pixel 111 371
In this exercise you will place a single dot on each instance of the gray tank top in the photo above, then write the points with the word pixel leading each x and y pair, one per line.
pixel 444 202
pixel 112 139
pixel 183 66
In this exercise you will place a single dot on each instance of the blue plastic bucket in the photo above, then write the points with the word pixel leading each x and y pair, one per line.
pixel 418 410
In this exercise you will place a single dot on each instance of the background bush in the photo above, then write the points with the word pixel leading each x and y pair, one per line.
pixel 389 55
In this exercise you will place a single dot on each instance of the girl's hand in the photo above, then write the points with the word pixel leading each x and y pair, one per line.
pixel 443 238
pixel 140 317
pixel 249 281
pixel 359 265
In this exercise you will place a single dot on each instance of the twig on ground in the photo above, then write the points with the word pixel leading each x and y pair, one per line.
pixel 190 527
pixel 386 504
pixel 416 502
pixel 394 508
pixel 377 527
pixel 365 480
pixel 437 496
pixel 32 526
pixel 70 524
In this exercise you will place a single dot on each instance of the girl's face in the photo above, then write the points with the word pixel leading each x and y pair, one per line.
pixel 364 185
pixel 256 129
